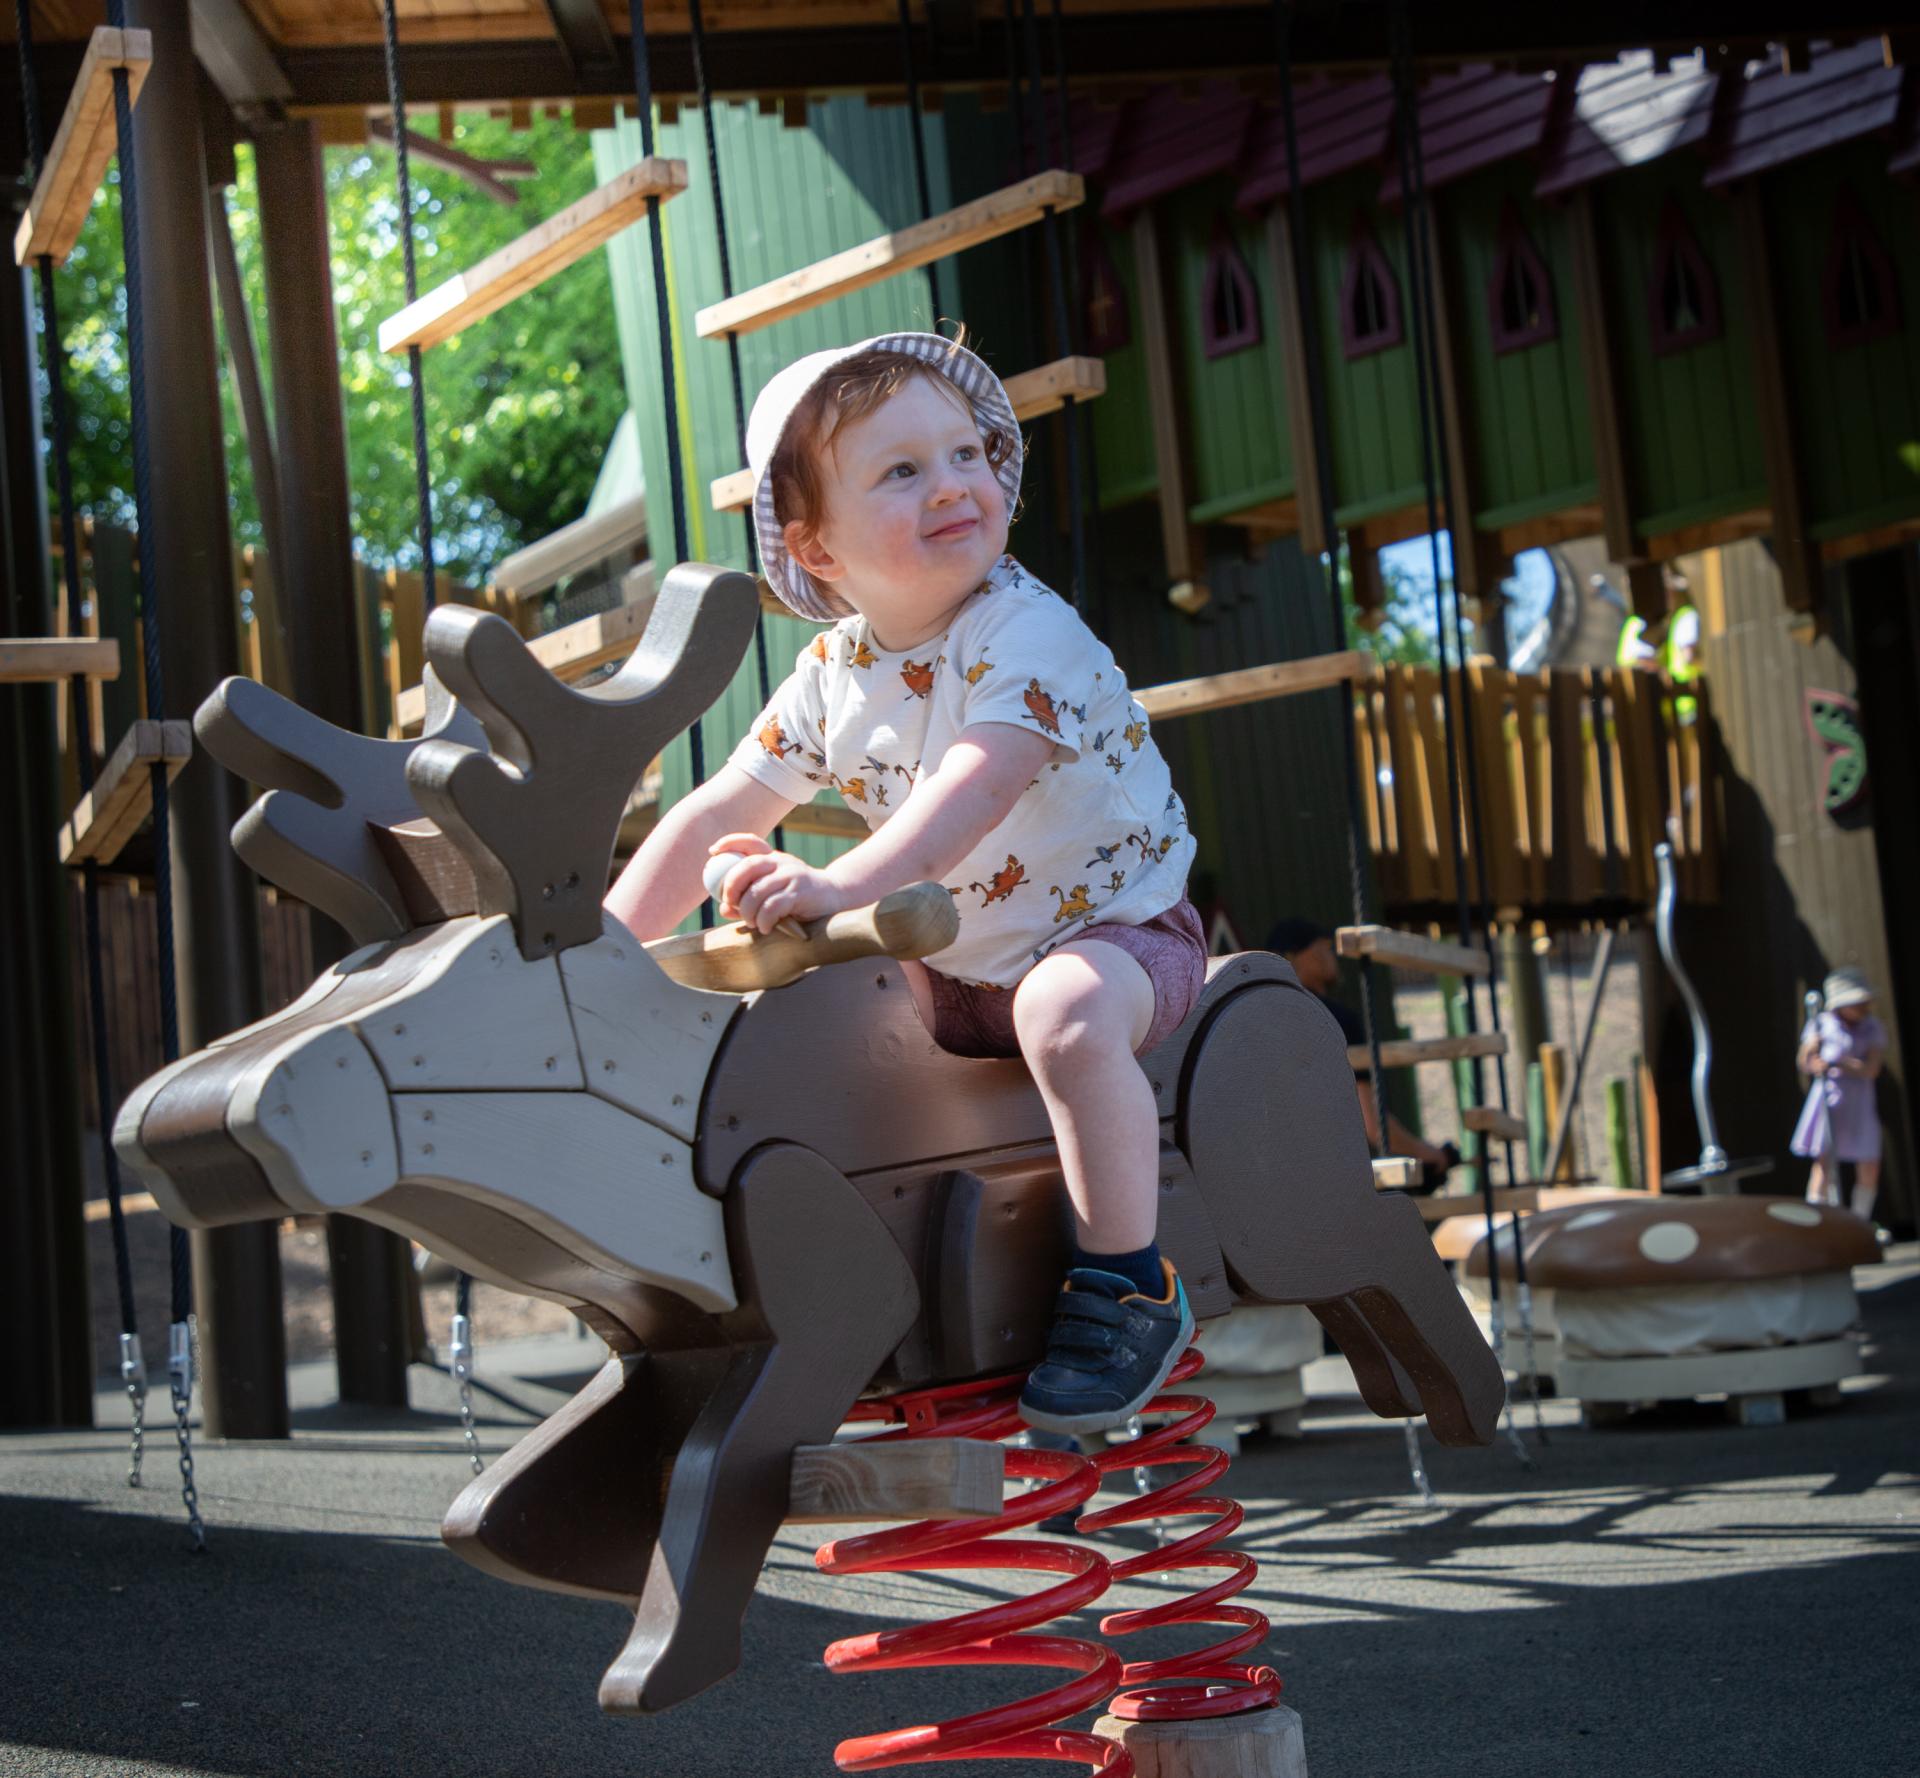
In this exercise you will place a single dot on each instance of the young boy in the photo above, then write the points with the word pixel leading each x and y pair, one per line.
pixel 990 743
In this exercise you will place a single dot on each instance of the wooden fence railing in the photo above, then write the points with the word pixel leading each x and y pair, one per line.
pixel 1556 753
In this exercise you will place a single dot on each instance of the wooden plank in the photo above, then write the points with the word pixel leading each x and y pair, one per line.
pixel 34 660
pixel 1490 1120
pixel 122 796
pixel 985 219
pixel 1293 359
pixel 1156 334
pixel 1488 737
pixel 563 239
pixel 1506 1199
pixel 1410 1052
pixel 568 654
pixel 1252 685
pixel 1408 950
pixel 572 547
pixel 1033 393
pixel 1430 736
pixel 1394 1172
pixel 82 146
pixel 1411 793
pixel 1600 359
pixel 920 1478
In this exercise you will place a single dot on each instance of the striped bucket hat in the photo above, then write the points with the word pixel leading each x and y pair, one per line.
pixel 767 425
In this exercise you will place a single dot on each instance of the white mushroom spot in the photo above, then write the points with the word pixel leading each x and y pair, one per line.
pixel 1590 1219
pixel 1668 1242
pixel 1800 1215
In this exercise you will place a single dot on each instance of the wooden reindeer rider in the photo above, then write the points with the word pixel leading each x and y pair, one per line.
pixel 504 1074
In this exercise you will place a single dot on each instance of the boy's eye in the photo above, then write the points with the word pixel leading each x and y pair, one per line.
pixel 967 453
pixel 901 468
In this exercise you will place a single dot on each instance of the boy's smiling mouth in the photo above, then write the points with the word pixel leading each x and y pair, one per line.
pixel 955 528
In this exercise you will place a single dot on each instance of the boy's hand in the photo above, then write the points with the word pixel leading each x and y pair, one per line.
pixel 767 887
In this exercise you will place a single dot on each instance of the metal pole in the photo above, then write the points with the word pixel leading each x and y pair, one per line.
pixel 315 590
pixel 187 543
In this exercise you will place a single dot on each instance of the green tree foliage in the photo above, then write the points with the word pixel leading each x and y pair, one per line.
pixel 519 407
pixel 1404 635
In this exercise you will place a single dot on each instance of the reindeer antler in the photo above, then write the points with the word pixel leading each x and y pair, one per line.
pixel 327 790
pixel 539 828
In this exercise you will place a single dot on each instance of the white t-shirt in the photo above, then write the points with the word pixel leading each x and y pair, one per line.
pixel 1100 835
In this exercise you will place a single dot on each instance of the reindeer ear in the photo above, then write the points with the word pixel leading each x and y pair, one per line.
pixel 326 790
pixel 540 835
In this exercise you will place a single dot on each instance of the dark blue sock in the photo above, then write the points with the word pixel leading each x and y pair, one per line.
pixel 1141 1268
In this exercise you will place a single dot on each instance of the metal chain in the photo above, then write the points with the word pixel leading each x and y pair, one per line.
pixel 1416 1465
pixel 180 1369
pixel 460 1362
pixel 133 1374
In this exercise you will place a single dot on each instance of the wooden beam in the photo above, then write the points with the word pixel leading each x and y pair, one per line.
pixel 1409 1052
pixel 564 238
pixel 1395 1172
pixel 1154 331
pixel 111 813
pixel 1408 950
pixel 921 1478
pixel 1599 356
pixel 29 660
pixel 567 654
pixel 1490 1120
pixel 985 219
pixel 572 547
pixel 84 143
pixel 1252 685
pixel 1517 1199
pixel 1472 559
pixel 1033 393
pixel 1293 358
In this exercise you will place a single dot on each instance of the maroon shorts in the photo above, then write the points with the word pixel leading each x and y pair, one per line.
pixel 1171 948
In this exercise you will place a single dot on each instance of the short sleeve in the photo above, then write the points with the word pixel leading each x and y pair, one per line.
pixel 1030 663
pixel 784 751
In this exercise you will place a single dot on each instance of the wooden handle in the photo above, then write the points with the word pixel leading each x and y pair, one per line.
pixel 912 922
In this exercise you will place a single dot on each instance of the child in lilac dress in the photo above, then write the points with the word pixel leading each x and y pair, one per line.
pixel 1842 1048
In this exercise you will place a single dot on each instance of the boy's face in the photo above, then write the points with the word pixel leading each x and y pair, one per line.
pixel 1852 1015
pixel 915 517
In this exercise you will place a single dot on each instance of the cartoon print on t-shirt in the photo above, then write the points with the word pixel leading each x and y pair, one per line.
pixel 774 740
pixel 980 669
pixel 917 676
pixel 862 656
pixel 1103 855
pixel 1042 708
pixel 1004 882
pixel 818 648
pixel 1117 882
pixel 1135 732
pixel 1071 906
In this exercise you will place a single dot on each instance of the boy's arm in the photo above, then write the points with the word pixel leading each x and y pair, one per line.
pixel 982 775
pixel 661 884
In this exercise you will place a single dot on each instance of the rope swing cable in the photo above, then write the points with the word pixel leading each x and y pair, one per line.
pixel 923 186
pixel 133 1367
pixel 180 1364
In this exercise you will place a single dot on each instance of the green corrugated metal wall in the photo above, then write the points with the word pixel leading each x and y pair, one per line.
pixel 1856 408
pixel 1691 435
pixel 1122 418
pixel 1532 433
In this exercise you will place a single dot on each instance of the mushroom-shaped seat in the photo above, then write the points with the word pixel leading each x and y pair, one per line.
pixel 1255 1357
pixel 1662 1297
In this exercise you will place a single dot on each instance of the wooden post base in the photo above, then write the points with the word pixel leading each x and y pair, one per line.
pixel 1262 1744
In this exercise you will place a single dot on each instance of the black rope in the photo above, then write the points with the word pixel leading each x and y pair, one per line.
pixel 422 474
pixel 1306 301
pixel 1050 228
pixel 917 137
pixel 698 38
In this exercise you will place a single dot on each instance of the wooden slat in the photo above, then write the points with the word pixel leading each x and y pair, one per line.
pixel 984 219
pixel 564 238
pixel 1408 950
pixel 568 654
pixel 1431 737
pixel 1519 1198
pixel 28 660
pixel 1395 1172
pixel 122 796
pixel 1409 1052
pixel 1490 1120
pixel 922 1478
pixel 1252 685
pixel 1033 393
pixel 82 146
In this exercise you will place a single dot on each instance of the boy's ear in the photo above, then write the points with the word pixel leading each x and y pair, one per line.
pixel 804 546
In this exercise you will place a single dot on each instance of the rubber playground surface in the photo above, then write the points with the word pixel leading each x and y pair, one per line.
pixel 1677 1595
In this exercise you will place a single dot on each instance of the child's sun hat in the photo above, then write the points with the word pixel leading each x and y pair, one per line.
pixel 1846 987
pixel 767 425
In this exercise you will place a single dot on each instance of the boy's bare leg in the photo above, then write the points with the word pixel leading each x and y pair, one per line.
pixel 1817 1192
pixel 1866 1187
pixel 1078 1015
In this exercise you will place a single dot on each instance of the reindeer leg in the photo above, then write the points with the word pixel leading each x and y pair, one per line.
pixel 1271 1124
pixel 805 1345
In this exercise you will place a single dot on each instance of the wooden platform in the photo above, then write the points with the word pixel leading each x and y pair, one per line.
pixel 1742 1373
pixel 1409 950
pixel 1509 1198
pixel 985 219
pixel 1490 1120
pixel 564 238
pixel 121 799
pixel 1410 1052
pixel 86 140
pixel 39 660
pixel 1033 393
pixel 858 1480
pixel 1253 685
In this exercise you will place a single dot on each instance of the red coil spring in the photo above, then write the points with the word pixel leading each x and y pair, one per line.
pixel 1211 1682
pixel 998 1635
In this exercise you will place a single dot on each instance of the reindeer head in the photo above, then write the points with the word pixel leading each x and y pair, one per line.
pixel 498 1041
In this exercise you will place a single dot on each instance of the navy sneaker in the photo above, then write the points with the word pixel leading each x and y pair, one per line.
pixel 1110 1349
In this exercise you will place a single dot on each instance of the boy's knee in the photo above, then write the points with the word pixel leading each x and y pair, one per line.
pixel 1065 1013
